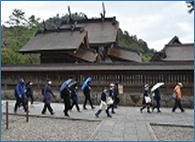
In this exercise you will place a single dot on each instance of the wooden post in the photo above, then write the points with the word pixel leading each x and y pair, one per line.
pixel 27 117
pixel 7 119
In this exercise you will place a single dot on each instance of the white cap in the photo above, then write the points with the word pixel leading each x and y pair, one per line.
pixel 49 82
pixel 112 85
pixel 180 84
pixel 146 86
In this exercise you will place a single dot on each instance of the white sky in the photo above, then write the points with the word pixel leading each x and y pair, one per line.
pixel 154 22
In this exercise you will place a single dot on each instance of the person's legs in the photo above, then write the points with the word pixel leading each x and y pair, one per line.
pixel 144 106
pixel 32 99
pixel 16 104
pixel 148 108
pixel 24 104
pixel 107 111
pixel 175 106
pixel 50 108
pixel 90 102
pixel 77 106
pixel 67 105
pixel 180 106
pixel 44 108
pixel 85 102
pixel 98 112
pixel 158 105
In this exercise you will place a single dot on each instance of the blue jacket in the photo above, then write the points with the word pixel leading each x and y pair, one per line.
pixel 20 90
pixel 48 93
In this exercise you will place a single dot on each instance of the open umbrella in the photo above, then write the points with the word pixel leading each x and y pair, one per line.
pixel 65 84
pixel 85 84
pixel 157 85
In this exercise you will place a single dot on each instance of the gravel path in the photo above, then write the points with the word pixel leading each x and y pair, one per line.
pixel 47 129
pixel 170 133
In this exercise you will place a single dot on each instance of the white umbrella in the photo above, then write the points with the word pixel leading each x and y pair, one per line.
pixel 157 85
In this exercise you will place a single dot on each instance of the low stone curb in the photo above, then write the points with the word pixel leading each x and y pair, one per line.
pixel 55 117
pixel 171 125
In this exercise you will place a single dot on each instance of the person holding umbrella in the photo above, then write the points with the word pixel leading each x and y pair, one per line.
pixel 177 91
pixel 146 101
pixel 86 91
pixel 73 88
pixel 157 95
pixel 65 95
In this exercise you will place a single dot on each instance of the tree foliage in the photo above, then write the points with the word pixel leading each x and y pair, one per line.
pixel 132 42
pixel 21 28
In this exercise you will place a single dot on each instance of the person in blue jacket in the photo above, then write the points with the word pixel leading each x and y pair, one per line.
pixel 19 93
pixel 73 89
pixel 48 94
pixel 157 98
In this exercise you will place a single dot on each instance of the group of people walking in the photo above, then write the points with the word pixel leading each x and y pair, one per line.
pixel 108 98
pixel 152 98
pixel 68 93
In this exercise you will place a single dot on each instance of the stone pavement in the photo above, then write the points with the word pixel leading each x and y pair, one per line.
pixel 128 124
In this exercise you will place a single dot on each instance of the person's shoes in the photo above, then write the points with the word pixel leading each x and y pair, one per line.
pixel 84 108
pixel 67 115
pixel 92 107
pixel 141 110
pixel 96 115
pixel 43 113
pixel 113 112
pixel 148 111
pixel 159 111
pixel 182 111
pixel 109 116
pixel 52 113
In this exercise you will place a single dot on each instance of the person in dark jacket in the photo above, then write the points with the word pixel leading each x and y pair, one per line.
pixel 65 95
pixel 145 102
pixel 103 104
pixel 157 98
pixel 29 92
pixel 86 92
pixel 112 95
pixel 74 97
pixel 48 94
pixel 116 93
pixel 19 93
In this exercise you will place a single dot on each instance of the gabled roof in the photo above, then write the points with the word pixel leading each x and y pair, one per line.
pixel 174 41
pixel 52 40
pixel 124 54
pixel 183 52
pixel 175 51
pixel 84 54
pixel 100 31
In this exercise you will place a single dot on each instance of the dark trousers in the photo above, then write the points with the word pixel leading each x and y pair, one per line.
pixel 20 101
pixel 66 104
pixel 107 111
pixel 177 103
pixel 47 106
pixel 31 98
pixel 157 105
pixel 87 97
pixel 74 102
pixel 144 106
